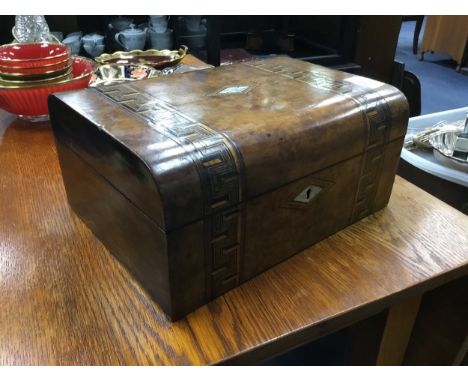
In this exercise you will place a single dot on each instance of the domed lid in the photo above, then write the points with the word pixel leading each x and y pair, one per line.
pixel 92 37
pixel 133 31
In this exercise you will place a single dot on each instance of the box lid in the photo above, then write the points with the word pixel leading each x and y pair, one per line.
pixel 185 146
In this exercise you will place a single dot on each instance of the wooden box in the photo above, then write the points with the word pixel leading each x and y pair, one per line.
pixel 197 182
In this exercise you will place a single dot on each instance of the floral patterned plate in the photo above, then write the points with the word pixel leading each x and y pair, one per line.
pixel 111 73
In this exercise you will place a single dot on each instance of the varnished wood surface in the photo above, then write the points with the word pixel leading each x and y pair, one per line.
pixel 65 300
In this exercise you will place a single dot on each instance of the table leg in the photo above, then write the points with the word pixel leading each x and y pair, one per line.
pixel 417 31
pixel 462 355
pixel 397 332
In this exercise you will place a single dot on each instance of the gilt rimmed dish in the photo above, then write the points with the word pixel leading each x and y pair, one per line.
pixel 155 58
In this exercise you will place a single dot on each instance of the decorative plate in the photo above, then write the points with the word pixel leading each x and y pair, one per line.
pixel 111 73
pixel 158 59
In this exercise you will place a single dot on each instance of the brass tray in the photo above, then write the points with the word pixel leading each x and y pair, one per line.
pixel 158 59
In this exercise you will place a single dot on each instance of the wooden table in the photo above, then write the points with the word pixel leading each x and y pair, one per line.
pixel 65 300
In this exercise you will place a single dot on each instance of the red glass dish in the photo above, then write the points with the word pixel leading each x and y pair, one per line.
pixel 21 82
pixel 23 78
pixel 32 101
pixel 27 55
pixel 31 71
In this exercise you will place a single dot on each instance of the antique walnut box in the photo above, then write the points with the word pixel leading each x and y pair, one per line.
pixel 198 181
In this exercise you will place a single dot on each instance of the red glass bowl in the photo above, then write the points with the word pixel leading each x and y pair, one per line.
pixel 28 55
pixel 32 101
pixel 35 70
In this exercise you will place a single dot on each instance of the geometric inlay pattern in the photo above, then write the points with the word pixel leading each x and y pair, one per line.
pixel 225 246
pixel 378 115
pixel 219 166
pixel 317 79
pixel 368 183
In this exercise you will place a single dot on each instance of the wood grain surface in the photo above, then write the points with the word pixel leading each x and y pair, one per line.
pixel 64 300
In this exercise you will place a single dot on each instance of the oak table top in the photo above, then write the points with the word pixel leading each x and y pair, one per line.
pixel 65 300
